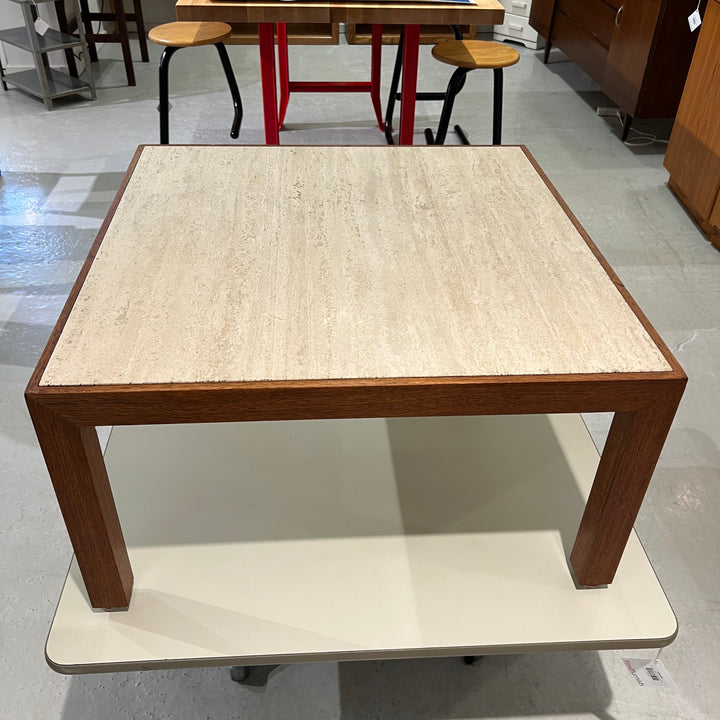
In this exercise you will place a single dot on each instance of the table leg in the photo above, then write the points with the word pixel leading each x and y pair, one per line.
pixel 626 466
pixel 77 470
pixel 283 71
pixel 411 49
pixel 375 66
pixel 266 38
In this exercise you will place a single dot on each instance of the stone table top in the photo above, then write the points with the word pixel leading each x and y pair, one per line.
pixel 234 264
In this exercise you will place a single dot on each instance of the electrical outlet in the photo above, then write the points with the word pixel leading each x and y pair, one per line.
pixel 607 111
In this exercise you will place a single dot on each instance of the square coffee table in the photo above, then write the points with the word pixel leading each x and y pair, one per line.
pixel 276 283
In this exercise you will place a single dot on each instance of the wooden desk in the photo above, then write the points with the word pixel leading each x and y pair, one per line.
pixel 361 291
pixel 267 14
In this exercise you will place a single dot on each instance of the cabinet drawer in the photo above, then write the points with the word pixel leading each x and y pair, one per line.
pixel 581 47
pixel 594 16
pixel 517 7
pixel 516 26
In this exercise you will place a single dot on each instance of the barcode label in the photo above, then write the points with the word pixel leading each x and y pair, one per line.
pixel 649 673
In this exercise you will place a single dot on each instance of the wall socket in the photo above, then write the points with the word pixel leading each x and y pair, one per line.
pixel 607 111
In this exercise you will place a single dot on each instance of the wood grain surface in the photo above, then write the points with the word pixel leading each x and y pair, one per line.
pixel 475 54
pixel 479 12
pixel 189 34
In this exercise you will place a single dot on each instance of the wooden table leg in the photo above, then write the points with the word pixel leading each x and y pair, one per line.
pixel 77 470
pixel 266 41
pixel 411 49
pixel 626 466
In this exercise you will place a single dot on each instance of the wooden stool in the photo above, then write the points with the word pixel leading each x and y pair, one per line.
pixel 467 55
pixel 120 18
pixel 176 35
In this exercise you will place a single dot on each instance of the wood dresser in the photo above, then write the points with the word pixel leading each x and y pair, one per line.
pixel 693 155
pixel 639 51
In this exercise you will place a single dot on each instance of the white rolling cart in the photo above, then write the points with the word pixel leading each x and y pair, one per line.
pixel 303 541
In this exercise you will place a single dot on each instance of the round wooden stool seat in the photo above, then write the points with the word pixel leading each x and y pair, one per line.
pixel 189 34
pixel 475 54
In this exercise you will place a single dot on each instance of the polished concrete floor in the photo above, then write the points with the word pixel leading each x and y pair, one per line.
pixel 60 171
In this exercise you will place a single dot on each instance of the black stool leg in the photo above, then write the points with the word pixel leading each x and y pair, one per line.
pixel 237 102
pixel 627 124
pixel 394 83
pixel 497 105
pixel 167 53
pixel 454 86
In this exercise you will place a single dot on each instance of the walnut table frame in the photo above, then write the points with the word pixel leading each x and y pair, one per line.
pixel 359 292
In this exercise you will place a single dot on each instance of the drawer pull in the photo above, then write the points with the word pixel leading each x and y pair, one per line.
pixel 519 28
pixel 517 4
pixel 617 16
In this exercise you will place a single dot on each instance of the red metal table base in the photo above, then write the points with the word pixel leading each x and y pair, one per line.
pixel 288 86
pixel 274 119
pixel 266 41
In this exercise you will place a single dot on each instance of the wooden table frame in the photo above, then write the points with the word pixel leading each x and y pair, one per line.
pixel 65 419
pixel 268 14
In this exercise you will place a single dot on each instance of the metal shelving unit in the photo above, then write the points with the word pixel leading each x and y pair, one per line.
pixel 45 82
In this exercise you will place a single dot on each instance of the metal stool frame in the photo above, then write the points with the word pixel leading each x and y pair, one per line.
pixel 167 54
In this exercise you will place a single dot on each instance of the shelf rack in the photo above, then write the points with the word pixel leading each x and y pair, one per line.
pixel 45 82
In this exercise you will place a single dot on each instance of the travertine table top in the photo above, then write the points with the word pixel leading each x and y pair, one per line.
pixel 293 263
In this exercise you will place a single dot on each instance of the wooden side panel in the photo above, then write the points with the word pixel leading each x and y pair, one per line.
pixel 630 48
pixel 594 16
pixel 693 154
pixel 669 60
pixel 581 47
pixel 541 14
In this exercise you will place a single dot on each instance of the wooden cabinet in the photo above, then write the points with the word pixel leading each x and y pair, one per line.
pixel 639 51
pixel 693 154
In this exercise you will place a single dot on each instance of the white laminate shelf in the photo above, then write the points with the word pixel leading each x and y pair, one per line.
pixel 305 541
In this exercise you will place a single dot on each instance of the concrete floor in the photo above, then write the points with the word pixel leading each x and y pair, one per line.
pixel 60 171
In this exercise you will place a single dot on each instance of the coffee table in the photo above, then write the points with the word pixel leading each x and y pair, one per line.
pixel 382 282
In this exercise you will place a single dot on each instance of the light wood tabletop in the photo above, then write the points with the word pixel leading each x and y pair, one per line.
pixel 377 282
pixel 478 12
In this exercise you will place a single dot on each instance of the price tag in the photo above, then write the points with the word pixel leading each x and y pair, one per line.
pixel 649 673
pixel 41 27
pixel 694 21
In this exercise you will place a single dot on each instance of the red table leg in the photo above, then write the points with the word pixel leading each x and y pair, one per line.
pixel 375 65
pixel 411 50
pixel 266 38
pixel 283 71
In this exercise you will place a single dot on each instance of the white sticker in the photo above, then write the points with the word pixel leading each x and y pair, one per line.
pixel 694 21
pixel 649 673
pixel 41 27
